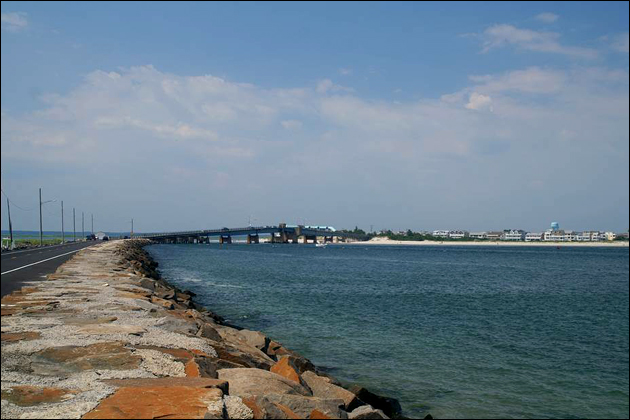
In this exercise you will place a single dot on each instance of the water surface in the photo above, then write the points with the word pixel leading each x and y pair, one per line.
pixel 460 332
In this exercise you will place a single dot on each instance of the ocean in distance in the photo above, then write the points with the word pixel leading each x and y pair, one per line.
pixel 460 332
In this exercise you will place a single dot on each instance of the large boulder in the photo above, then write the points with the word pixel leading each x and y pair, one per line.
pixel 367 413
pixel 287 369
pixel 252 382
pixel 256 339
pixel 389 406
pixel 243 355
pixel 262 408
pixel 63 361
pixel 323 388
pixel 246 344
pixel 159 403
pixel 305 406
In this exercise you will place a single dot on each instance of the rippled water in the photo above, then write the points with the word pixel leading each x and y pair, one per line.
pixel 461 332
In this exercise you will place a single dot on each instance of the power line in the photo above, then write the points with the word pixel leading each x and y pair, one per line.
pixel 13 203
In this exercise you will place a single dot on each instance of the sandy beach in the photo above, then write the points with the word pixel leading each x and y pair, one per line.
pixel 386 241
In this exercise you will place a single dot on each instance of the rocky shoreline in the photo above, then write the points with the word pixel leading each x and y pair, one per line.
pixel 106 337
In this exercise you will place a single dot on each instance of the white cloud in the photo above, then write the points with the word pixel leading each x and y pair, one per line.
pixel 191 134
pixel 327 85
pixel 498 36
pixel 547 17
pixel 532 80
pixel 621 43
pixel 345 71
pixel 292 125
pixel 479 102
pixel 14 22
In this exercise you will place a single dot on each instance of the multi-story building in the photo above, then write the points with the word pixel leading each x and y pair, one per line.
pixel 588 237
pixel 458 234
pixel 441 233
pixel 534 237
pixel 560 236
pixel 495 236
pixel 514 235
pixel 479 235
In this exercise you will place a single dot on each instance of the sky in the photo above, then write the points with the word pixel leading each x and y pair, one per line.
pixel 383 115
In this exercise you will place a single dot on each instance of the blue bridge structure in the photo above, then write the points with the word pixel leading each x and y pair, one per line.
pixel 281 234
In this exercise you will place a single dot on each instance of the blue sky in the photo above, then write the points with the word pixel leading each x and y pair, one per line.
pixel 398 115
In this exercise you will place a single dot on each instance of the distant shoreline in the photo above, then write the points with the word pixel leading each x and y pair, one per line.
pixel 385 241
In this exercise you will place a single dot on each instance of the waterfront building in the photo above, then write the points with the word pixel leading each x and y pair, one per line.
pixel 591 236
pixel 560 236
pixel 534 237
pixel 458 234
pixel 479 235
pixel 441 233
pixel 495 236
pixel 514 235
pixel 610 236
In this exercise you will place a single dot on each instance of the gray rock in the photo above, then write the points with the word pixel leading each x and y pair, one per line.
pixel 251 382
pixel 256 339
pixel 304 406
pixel 323 388
pixel 367 413
pixel 179 326
pixel 389 406
pixel 208 331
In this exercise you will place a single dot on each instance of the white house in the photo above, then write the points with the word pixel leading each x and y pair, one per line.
pixel 534 237
pixel 441 233
pixel 458 234
pixel 479 235
pixel 514 235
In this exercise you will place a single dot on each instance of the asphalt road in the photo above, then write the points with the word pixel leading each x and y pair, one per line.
pixel 34 264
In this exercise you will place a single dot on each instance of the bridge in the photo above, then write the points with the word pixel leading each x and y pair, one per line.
pixel 281 234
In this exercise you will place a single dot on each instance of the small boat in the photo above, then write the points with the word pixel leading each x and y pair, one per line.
pixel 321 245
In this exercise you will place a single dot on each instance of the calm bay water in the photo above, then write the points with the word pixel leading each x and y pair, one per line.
pixel 461 332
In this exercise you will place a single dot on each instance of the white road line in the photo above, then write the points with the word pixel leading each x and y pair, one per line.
pixel 40 262
pixel 47 248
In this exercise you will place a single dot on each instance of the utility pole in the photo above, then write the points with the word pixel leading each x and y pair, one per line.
pixel 74 223
pixel 83 224
pixel 131 228
pixel 63 227
pixel 41 222
pixel 10 224
pixel 92 224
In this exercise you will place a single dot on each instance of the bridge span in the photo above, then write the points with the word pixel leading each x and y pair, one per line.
pixel 282 234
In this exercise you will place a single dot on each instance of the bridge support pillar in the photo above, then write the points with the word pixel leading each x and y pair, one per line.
pixel 253 239
pixel 328 239
pixel 225 239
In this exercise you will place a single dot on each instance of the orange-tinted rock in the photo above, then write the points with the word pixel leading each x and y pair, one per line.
pixel 157 403
pixel 286 369
pixel 203 383
pixel 250 402
pixel 59 361
pixel 8 312
pixel 90 321
pixel 167 304
pixel 192 370
pixel 287 411
pixel 15 337
pixel 28 396
pixel 318 415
